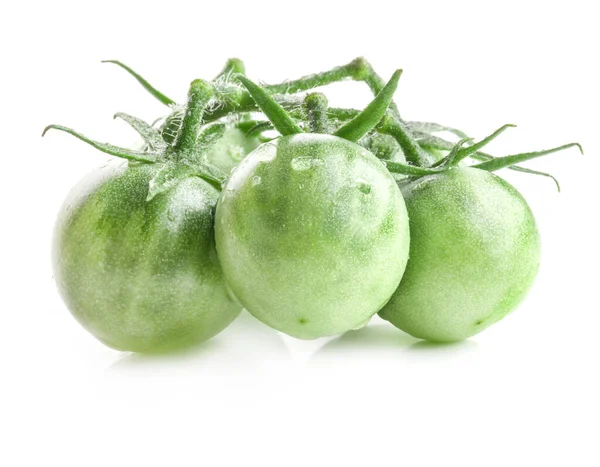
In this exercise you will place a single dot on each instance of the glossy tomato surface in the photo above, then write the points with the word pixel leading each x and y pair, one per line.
pixel 231 149
pixel 312 234
pixel 141 275
pixel 474 254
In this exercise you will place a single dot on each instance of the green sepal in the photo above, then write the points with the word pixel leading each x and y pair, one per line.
pixel 428 141
pixel 129 154
pixel 146 85
pixel 207 138
pixel 366 120
pixel 174 172
pixel 150 135
pixel 198 157
pixel 481 156
pixel 453 157
pixel 467 151
pixel 282 121
pixel 506 161
pixel 171 124
pixel 168 176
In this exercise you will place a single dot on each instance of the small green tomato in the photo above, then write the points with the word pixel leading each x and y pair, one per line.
pixel 231 148
pixel 312 234
pixel 474 254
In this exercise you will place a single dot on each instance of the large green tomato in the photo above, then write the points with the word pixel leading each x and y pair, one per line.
pixel 312 234
pixel 474 254
pixel 141 276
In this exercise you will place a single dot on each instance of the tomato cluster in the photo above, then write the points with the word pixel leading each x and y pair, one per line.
pixel 312 218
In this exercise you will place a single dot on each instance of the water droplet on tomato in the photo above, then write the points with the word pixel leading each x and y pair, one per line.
pixel 305 162
pixel 256 180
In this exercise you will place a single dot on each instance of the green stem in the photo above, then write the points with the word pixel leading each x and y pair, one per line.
pixel 396 128
pixel 258 128
pixel 150 135
pixel 308 82
pixel 365 72
pixel 358 69
pixel 507 161
pixel 244 103
pixel 147 86
pixel 232 66
pixel 199 96
pixel 282 121
pixel 482 156
pixel 366 120
pixel 431 127
pixel 315 106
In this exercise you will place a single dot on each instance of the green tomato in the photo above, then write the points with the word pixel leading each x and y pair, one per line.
pixel 312 234
pixel 474 254
pixel 141 275
pixel 233 146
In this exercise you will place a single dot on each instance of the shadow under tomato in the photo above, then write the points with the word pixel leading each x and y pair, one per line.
pixel 382 339
pixel 246 341
pixel 427 348
pixel 376 338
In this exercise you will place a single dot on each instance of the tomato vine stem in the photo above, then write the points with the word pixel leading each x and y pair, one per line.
pixel 358 69
pixel 315 107
pixel 232 66
pixel 396 128
pixel 199 96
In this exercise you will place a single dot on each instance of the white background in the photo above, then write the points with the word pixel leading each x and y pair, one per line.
pixel 524 392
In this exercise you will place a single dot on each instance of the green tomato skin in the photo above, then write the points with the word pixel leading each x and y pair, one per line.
pixel 231 149
pixel 312 234
pixel 141 276
pixel 474 254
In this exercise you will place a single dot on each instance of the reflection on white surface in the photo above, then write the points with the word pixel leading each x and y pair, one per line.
pixel 248 345
pixel 380 341
pixel 242 345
